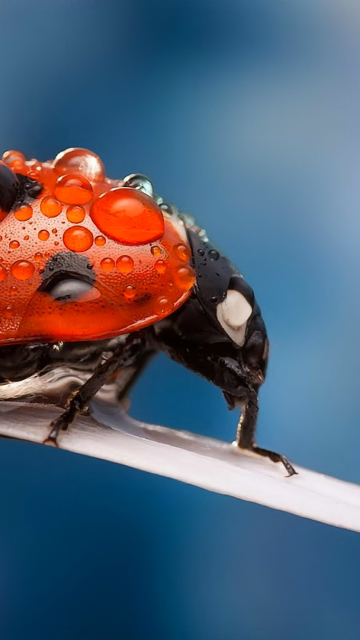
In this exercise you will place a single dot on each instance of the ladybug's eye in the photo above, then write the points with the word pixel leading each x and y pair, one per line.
pixel 70 289
pixel 9 185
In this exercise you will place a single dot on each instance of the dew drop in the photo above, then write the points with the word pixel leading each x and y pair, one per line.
pixel 128 216
pixel 78 239
pixel 184 278
pixel 24 212
pixel 38 257
pixel 100 241
pixel 82 160
pixel 163 306
pixel 213 254
pixel 160 266
pixel 54 231
pixel 14 244
pixel 73 189
pixel 183 252
pixel 3 273
pixel 156 251
pixel 8 311
pixel 107 264
pixel 26 237
pixel 22 270
pixel 125 264
pixel 129 293
pixel 13 291
pixel 43 235
pixel 76 214
pixel 50 207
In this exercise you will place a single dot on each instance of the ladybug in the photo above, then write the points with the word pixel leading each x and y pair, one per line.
pixel 100 274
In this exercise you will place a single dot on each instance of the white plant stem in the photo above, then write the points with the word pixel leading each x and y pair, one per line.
pixel 200 461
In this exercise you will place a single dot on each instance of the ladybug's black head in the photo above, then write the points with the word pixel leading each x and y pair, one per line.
pixel 219 332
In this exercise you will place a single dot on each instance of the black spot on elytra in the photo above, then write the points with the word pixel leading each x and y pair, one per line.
pixel 64 265
pixel 28 189
pixel 9 187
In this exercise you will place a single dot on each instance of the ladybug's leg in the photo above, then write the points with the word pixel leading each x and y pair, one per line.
pixel 245 437
pixel 124 356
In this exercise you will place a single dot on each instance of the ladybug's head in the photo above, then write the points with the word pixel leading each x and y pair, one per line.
pixel 219 331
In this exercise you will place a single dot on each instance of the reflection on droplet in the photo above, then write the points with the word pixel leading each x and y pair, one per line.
pixel 14 244
pixel 213 254
pixel 38 256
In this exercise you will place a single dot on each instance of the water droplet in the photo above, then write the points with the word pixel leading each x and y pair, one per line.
pixel 54 231
pixel 43 235
pixel 163 306
pixel 213 254
pixel 73 189
pixel 183 252
pixel 156 251
pixel 76 214
pixel 56 243
pixel 100 241
pixel 3 273
pixel 128 216
pixel 22 270
pixel 50 207
pixel 13 291
pixel 8 311
pixel 24 212
pixel 14 244
pixel 184 278
pixel 78 239
pixel 160 266
pixel 38 257
pixel 125 264
pixel 26 237
pixel 201 252
pixel 129 292
pixel 14 160
pixel 80 160
pixel 107 264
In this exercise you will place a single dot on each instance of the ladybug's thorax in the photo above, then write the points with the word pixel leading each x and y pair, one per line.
pixel 83 257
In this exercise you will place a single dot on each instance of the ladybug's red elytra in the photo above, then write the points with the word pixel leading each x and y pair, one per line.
pixel 101 274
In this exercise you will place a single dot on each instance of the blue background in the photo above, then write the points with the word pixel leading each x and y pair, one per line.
pixel 245 113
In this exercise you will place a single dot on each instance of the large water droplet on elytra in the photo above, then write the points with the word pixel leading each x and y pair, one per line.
pixel 78 239
pixel 73 189
pixel 50 207
pixel 22 270
pixel 125 264
pixel 80 160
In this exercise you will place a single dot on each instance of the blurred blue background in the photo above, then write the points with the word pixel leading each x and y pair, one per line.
pixel 245 113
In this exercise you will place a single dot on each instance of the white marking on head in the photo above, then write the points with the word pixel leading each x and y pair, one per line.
pixel 233 314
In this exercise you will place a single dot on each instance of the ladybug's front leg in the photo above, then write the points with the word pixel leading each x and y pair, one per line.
pixel 125 355
pixel 245 436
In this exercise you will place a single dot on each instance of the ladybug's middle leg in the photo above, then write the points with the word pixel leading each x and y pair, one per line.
pixel 125 355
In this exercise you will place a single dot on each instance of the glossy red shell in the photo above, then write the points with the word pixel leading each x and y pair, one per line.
pixel 136 256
